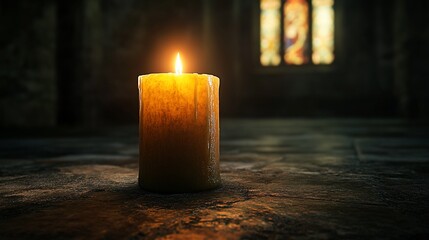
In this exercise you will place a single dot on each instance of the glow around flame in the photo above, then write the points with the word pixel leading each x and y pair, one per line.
pixel 179 66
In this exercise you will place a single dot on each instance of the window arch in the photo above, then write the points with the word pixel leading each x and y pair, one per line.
pixel 296 32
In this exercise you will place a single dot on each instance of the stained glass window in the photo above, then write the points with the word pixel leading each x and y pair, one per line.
pixel 296 31
pixel 270 32
pixel 323 31
pixel 308 37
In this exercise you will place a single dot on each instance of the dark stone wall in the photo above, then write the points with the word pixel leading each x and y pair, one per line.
pixel 27 63
pixel 411 63
pixel 79 56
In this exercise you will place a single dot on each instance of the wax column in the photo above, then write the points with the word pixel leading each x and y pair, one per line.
pixel 179 132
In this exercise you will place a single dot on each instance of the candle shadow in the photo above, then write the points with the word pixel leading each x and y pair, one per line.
pixel 227 193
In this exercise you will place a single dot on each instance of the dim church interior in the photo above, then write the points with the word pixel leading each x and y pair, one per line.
pixel 336 150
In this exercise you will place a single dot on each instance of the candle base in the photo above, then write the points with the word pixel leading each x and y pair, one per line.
pixel 175 189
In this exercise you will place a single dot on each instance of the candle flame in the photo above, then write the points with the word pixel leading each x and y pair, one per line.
pixel 178 64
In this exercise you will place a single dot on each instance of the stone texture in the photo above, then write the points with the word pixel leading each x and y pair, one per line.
pixel 27 63
pixel 297 179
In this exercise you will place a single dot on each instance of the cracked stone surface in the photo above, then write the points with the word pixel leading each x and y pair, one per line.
pixel 297 179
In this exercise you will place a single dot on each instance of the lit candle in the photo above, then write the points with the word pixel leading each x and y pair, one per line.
pixel 179 131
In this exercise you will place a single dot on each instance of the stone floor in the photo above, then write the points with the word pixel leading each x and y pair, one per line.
pixel 296 179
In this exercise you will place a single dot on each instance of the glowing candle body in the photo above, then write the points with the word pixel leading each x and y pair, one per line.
pixel 179 132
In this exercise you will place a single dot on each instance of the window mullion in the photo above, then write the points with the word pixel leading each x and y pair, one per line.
pixel 282 33
pixel 310 31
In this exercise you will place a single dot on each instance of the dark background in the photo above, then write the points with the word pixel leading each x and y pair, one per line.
pixel 77 62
